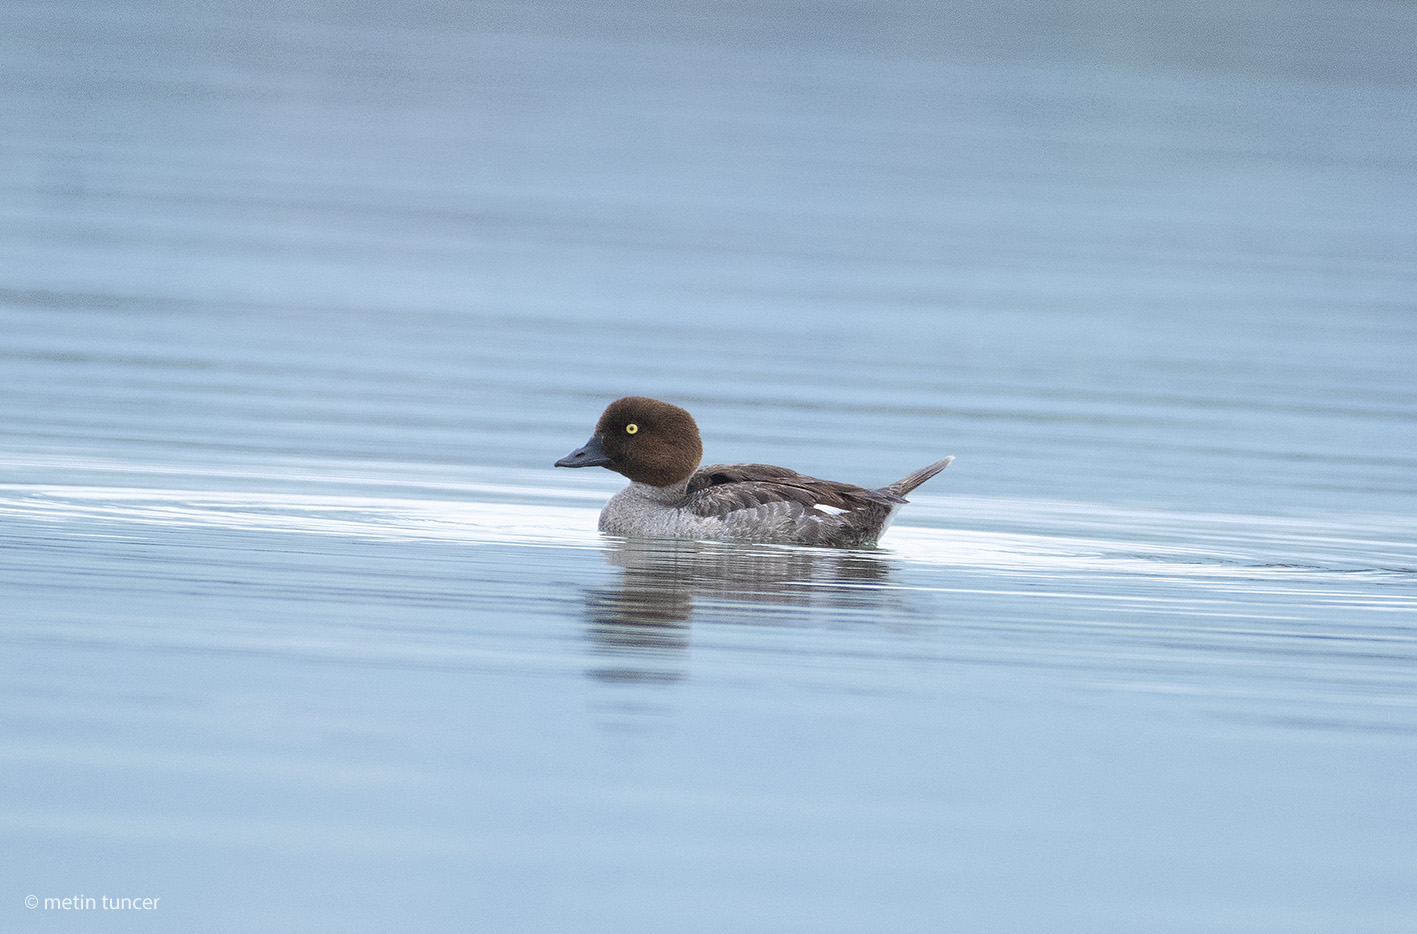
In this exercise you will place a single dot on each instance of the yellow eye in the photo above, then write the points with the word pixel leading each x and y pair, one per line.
pixel 631 428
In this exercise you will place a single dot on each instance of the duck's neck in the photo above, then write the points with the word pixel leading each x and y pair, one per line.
pixel 672 493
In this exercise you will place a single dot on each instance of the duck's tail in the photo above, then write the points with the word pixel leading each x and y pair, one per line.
pixel 909 482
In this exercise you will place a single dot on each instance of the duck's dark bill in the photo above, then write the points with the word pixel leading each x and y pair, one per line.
pixel 590 454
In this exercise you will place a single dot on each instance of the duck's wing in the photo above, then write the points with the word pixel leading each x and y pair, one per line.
pixel 760 502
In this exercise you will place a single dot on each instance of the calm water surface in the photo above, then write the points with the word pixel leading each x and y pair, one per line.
pixel 299 630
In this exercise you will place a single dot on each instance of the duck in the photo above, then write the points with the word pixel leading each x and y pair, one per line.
pixel 657 447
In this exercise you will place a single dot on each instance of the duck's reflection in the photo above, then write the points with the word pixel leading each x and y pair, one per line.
pixel 640 628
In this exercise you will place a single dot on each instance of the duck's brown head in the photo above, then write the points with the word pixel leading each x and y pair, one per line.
pixel 647 440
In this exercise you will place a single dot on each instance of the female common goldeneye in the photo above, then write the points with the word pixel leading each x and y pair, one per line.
pixel 657 446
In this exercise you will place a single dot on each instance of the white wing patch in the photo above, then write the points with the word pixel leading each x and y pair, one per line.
pixel 829 510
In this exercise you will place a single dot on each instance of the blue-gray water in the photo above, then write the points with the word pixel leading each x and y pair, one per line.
pixel 299 630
